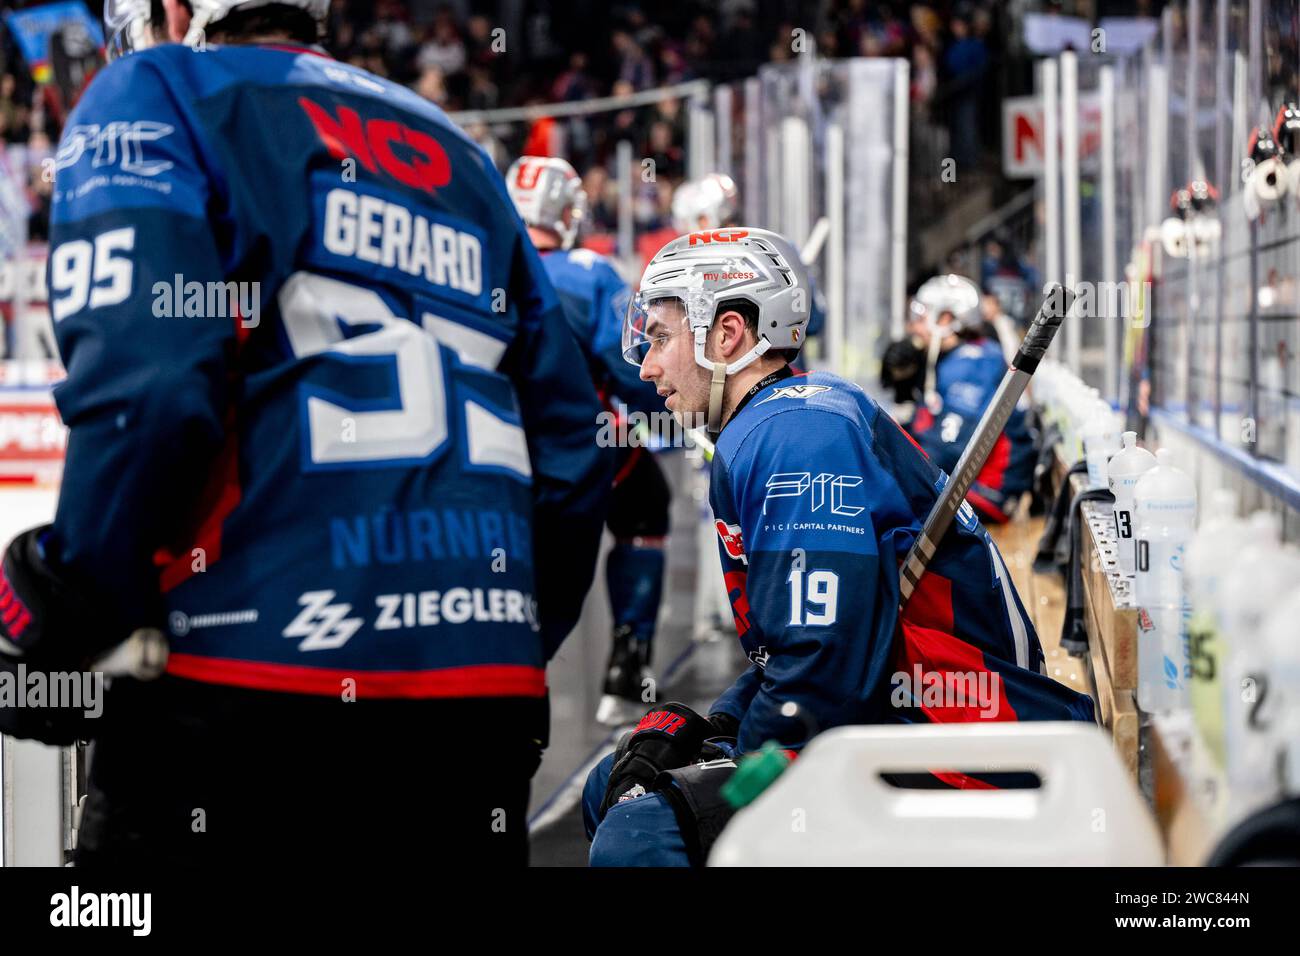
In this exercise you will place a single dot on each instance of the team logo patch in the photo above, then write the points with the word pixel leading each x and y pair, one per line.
pixel 795 391
pixel 731 540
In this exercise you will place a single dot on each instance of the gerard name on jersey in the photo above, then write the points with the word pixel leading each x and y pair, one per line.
pixel 387 234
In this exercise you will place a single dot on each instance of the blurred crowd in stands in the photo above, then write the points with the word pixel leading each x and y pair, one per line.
pixel 484 55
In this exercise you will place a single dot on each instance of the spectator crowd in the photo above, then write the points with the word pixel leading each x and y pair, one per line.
pixel 484 55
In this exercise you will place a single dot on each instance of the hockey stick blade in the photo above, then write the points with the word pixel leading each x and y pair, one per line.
pixel 1057 302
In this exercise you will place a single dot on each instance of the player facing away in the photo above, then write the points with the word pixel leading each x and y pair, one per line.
pixel 363 501
pixel 548 194
pixel 950 365
pixel 817 496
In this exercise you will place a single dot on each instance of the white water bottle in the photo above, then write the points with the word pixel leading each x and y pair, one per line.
pixel 1165 511
pixel 1128 465
pixel 1211 555
pixel 1282 644
pixel 1100 441
pixel 1263 571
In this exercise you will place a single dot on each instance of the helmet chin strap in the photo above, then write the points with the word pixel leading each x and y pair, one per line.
pixel 932 400
pixel 198 23
pixel 715 397
pixel 719 372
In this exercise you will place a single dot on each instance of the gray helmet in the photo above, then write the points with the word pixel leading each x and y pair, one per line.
pixel 947 293
pixel 543 189
pixel 708 203
pixel 702 269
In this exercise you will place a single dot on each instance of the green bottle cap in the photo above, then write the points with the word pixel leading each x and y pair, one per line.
pixel 754 774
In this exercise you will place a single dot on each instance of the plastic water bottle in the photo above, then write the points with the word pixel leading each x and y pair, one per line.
pixel 1100 441
pixel 1211 555
pixel 1283 649
pixel 1078 402
pixel 1263 571
pixel 1165 510
pixel 1128 465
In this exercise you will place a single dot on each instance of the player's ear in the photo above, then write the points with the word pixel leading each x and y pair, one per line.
pixel 178 20
pixel 731 335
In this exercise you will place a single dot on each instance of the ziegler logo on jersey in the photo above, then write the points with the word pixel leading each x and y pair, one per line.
pixel 324 625
pixel 371 142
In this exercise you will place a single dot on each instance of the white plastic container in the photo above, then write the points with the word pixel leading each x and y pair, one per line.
pixel 1211 555
pixel 1101 431
pixel 1282 645
pixel 1263 574
pixel 1129 464
pixel 1165 511
pixel 831 807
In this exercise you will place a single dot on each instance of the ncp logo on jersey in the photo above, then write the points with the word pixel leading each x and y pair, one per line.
pixel 410 156
pixel 824 488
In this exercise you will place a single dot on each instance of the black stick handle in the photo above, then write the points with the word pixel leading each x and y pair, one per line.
pixel 1056 305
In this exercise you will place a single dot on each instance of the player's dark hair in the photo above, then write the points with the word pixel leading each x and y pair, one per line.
pixel 749 312
pixel 274 18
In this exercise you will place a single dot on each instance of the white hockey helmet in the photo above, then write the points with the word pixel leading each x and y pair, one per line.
pixel 128 26
pixel 708 203
pixel 131 25
pixel 949 293
pixel 543 189
pixel 703 269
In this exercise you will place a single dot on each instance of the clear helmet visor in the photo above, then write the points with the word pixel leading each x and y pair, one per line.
pixel 653 319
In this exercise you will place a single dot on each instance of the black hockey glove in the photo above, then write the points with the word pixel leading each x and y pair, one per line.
pixel 45 627
pixel 43 619
pixel 902 370
pixel 723 725
pixel 666 738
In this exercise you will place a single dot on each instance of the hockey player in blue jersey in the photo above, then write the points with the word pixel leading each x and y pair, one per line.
pixel 325 435
pixel 817 496
pixel 949 368
pixel 548 194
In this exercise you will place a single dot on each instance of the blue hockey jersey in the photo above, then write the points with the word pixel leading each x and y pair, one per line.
pixel 595 299
pixel 817 496
pixel 324 422
pixel 966 379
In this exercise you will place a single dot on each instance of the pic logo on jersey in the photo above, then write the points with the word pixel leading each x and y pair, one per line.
pixel 375 144
pixel 794 484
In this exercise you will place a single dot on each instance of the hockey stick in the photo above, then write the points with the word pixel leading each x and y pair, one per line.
pixel 1056 305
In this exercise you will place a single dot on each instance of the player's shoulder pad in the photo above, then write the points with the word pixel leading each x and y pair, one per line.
pixel 982 350
pixel 808 411
pixel 598 265
pixel 120 84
